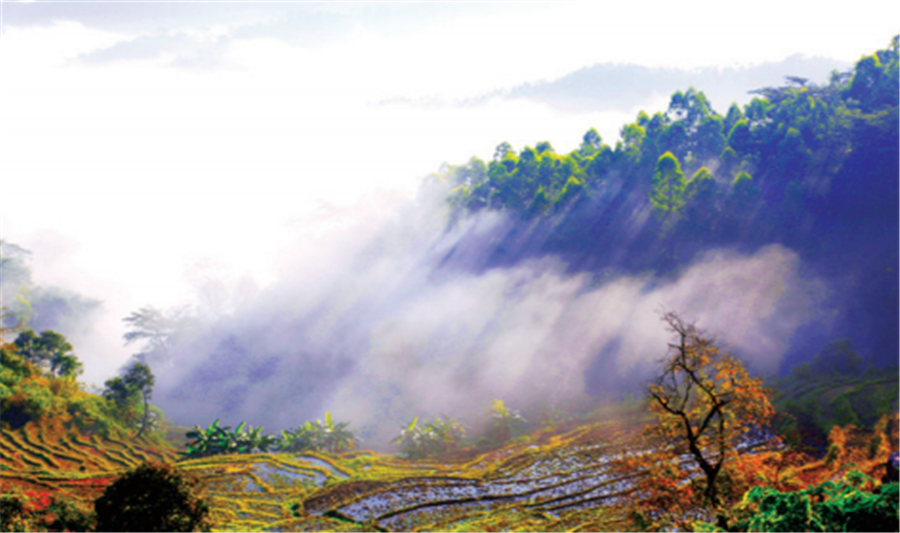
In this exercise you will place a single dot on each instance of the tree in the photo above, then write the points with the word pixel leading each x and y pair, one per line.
pixel 117 391
pixel 153 497
pixel 701 195
pixel 544 146
pixel 49 349
pixel 667 195
pixel 503 149
pixel 139 378
pixel 126 390
pixel 590 143
pixel 157 330
pixel 705 403
pixel 743 197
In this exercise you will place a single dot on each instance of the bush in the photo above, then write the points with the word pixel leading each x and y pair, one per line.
pixel 845 505
pixel 30 401
pixel 12 514
pixel 429 439
pixel 153 497
pixel 43 511
pixel 91 413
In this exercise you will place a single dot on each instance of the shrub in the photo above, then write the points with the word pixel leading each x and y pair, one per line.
pixel 844 505
pixel 91 413
pixel 43 511
pixel 30 401
pixel 153 497
pixel 430 438
pixel 12 514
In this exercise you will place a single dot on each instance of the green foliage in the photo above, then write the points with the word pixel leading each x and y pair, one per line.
pixel 570 191
pixel 430 438
pixel 126 392
pixel 330 436
pixel 123 397
pixel 14 367
pixel 300 439
pixel 35 399
pixel 591 143
pixel 48 350
pixel 216 440
pixel 667 194
pixel 139 378
pixel 31 393
pixel 844 505
pixel 153 497
pixel 92 413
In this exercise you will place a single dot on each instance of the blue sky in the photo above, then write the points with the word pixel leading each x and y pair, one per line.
pixel 148 147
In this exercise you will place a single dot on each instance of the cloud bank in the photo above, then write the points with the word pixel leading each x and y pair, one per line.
pixel 371 321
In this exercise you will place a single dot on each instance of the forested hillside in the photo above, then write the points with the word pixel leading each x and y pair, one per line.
pixel 812 167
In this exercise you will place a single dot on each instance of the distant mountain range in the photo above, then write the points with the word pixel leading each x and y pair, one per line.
pixel 607 86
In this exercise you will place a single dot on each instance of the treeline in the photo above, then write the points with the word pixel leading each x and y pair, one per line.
pixel 811 167
pixel 765 167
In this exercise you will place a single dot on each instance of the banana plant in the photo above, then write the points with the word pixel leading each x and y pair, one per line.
pixel 506 424
pixel 301 439
pixel 213 440
pixel 216 440
pixel 254 441
pixel 327 435
pixel 335 437
pixel 430 438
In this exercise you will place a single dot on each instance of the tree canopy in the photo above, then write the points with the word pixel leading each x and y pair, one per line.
pixel 48 350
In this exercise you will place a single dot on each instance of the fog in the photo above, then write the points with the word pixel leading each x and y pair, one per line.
pixel 251 172
pixel 370 320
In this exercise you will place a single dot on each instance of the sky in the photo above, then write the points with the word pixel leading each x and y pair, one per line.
pixel 148 149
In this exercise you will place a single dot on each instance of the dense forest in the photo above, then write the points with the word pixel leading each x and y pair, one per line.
pixel 811 167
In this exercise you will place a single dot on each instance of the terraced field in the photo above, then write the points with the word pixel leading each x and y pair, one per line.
pixel 44 456
pixel 557 482
pixel 556 485
pixel 554 482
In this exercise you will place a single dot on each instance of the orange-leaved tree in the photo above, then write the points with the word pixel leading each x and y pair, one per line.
pixel 706 406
